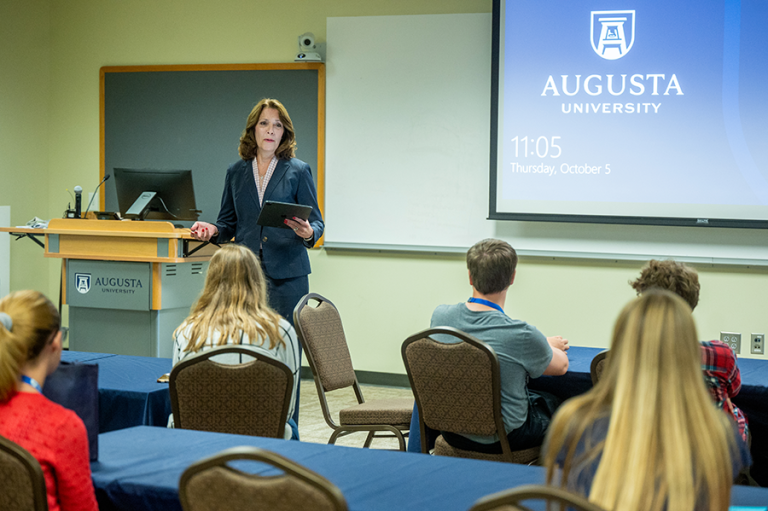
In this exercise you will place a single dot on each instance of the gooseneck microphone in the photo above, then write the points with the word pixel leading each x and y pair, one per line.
pixel 78 200
pixel 94 193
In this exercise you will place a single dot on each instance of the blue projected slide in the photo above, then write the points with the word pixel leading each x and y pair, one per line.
pixel 638 111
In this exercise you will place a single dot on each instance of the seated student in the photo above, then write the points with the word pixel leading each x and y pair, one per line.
pixel 523 351
pixel 30 350
pixel 232 310
pixel 647 437
pixel 718 361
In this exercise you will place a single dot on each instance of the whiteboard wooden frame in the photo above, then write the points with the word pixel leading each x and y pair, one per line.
pixel 319 66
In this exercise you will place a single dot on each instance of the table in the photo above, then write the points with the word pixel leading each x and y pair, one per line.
pixel 82 357
pixel 752 399
pixel 139 469
pixel 129 394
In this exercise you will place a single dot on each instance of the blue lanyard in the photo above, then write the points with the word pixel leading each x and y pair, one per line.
pixel 29 381
pixel 486 302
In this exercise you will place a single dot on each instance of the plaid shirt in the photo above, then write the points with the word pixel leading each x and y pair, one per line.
pixel 723 379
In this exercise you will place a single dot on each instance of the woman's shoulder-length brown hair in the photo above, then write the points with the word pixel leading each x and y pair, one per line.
pixel 287 147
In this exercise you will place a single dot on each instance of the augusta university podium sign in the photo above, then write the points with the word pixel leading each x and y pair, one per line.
pixel 128 285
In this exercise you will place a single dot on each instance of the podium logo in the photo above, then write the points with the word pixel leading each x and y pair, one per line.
pixel 83 282
pixel 612 33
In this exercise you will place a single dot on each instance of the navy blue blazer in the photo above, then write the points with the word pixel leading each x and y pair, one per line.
pixel 284 253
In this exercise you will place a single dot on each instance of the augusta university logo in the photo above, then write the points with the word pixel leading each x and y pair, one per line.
pixel 83 282
pixel 612 33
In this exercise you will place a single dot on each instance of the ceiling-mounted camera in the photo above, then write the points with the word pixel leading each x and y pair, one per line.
pixel 307 49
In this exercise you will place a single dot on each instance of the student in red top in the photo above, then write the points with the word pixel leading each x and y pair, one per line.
pixel 30 350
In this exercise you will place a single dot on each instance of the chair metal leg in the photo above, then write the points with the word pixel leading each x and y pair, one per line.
pixel 395 433
pixel 401 440
pixel 371 434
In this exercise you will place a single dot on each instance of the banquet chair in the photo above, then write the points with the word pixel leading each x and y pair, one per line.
pixel 511 500
pixel 22 480
pixel 321 335
pixel 212 484
pixel 458 389
pixel 250 398
pixel 597 366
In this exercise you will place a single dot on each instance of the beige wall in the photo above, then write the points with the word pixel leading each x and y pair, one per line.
pixel 50 98
pixel 25 126
pixel 384 298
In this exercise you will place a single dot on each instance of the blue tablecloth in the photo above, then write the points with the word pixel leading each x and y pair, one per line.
pixel 139 469
pixel 129 394
pixel 83 357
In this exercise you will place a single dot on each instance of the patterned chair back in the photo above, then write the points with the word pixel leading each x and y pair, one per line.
pixel 454 383
pixel 512 500
pixel 597 366
pixel 22 480
pixel 211 484
pixel 251 398
pixel 457 386
pixel 322 336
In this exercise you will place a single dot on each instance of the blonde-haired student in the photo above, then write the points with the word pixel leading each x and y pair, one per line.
pixel 233 310
pixel 647 437
pixel 30 350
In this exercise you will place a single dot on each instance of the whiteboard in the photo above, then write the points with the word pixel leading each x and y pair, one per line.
pixel 408 144
pixel 191 117
pixel 5 252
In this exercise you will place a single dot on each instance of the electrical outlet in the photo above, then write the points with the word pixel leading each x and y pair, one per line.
pixel 733 340
pixel 757 344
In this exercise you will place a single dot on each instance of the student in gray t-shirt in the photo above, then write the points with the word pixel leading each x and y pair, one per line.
pixel 523 351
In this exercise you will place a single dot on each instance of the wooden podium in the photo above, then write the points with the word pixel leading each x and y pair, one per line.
pixel 128 284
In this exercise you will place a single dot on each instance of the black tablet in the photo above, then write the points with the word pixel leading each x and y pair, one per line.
pixel 273 214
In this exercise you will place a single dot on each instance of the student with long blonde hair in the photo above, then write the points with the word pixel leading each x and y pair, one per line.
pixel 30 351
pixel 647 437
pixel 233 310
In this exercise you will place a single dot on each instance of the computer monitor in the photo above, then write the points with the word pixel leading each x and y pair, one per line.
pixel 155 194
